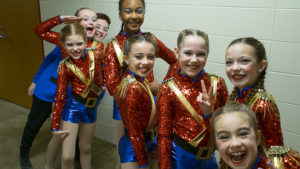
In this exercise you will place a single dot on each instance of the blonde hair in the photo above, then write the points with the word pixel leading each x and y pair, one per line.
pixel 72 29
pixel 187 32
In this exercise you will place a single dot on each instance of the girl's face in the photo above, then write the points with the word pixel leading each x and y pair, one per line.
pixel 101 29
pixel 75 45
pixel 132 15
pixel 192 55
pixel 88 21
pixel 141 58
pixel 236 140
pixel 242 67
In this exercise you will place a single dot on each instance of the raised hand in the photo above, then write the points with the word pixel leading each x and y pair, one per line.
pixel 205 99
pixel 70 19
pixel 154 87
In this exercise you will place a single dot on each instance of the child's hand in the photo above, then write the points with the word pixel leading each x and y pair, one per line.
pixel 153 87
pixel 31 89
pixel 70 19
pixel 204 99
pixel 61 134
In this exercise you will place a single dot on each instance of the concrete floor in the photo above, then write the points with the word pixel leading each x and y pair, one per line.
pixel 12 122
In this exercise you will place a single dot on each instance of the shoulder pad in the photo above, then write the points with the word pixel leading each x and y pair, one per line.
pixel 147 34
pixel 64 60
pixel 168 80
pixel 213 75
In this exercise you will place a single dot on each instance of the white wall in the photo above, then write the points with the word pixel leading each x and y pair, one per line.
pixel 275 22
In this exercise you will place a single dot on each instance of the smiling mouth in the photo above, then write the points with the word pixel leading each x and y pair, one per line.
pixel 237 158
pixel 89 29
pixel 238 77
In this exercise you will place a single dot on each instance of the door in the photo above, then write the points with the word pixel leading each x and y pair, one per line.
pixel 21 51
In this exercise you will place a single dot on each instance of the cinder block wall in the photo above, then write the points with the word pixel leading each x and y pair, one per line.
pixel 275 22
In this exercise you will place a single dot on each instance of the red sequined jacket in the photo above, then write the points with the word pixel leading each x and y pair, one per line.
pixel 65 77
pixel 43 30
pixel 173 116
pixel 135 108
pixel 112 67
pixel 267 114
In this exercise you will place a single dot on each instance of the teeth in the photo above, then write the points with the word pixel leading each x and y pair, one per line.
pixel 236 154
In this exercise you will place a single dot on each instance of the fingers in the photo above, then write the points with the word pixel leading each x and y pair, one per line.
pixel 203 87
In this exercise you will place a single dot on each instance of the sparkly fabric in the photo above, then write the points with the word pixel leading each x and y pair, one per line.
pixel 43 30
pixel 112 66
pixel 77 112
pixel 268 117
pixel 173 116
pixel 135 110
pixel 182 159
pixel 66 76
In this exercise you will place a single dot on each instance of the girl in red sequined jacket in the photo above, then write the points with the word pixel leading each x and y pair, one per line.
pixel 136 104
pixel 185 104
pixel 80 70
pixel 246 65
pixel 237 137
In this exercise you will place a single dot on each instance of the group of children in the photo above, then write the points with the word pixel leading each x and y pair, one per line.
pixel 178 123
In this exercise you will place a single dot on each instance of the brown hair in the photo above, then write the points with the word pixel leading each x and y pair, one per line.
pixel 72 29
pixel 260 56
pixel 104 17
pixel 187 32
pixel 80 9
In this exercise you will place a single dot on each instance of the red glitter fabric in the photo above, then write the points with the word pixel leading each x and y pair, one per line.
pixel 112 68
pixel 173 116
pixel 43 30
pixel 66 76
pixel 268 117
pixel 135 109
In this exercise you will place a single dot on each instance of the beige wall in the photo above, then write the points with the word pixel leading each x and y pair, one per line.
pixel 275 22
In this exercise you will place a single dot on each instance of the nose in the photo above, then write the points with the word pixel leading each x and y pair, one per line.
pixel 145 61
pixel 235 66
pixel 235 142
pixel 134 15
pixel 194 58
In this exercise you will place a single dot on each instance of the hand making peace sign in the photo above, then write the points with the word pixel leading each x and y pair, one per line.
pixel 205 99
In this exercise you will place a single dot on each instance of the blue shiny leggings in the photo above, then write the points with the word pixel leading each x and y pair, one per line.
pixel 126 151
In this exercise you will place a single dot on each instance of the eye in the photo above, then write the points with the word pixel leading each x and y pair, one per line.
pixel 151 57
pixel 188 53
pixel 245 61
pixel 244 133
pixel 138 56
pixel 127 10
pixel 79 43
pixel 85 18
pixel 223 137
pixel 94 19
pixel 69 44
pixel 201 54
pixel 228 62
pixel 140 10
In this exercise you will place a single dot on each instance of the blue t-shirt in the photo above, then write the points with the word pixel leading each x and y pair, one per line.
pixel 45 89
